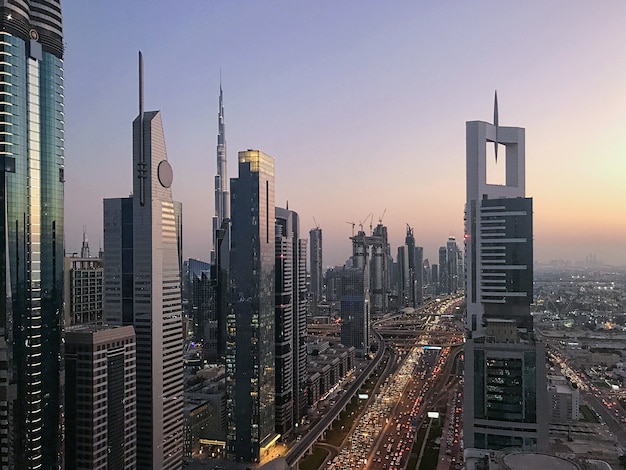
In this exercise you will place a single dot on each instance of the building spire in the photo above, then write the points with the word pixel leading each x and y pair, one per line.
pixel 84 251
pixel 495 123
pixel 222 195
pixel 142 161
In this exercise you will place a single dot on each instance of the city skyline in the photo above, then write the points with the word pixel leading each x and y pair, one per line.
pixel 363 104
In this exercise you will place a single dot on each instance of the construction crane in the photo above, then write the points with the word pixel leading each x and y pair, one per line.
pixel 316 224
pixel 380 219
pixel 353 224
pixel 365 220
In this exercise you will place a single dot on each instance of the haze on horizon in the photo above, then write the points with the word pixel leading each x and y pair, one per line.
pixel 362 104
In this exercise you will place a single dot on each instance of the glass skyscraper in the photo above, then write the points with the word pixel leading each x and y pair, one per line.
pixel 250 367
pixel 31 160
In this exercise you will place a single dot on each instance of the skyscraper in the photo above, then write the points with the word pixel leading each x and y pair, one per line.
pixel 452 265
pixel 317 280
pixel 143 288
pixel 373 251
pixel 32 227
pixel 222 196
pixel 220 251
pixel 100 397
pixel 291 310
pixel 355 308
pixel 250 366
pixel 411 275
pixel 505 379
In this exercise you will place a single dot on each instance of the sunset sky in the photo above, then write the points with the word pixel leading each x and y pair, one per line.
pixel 363 105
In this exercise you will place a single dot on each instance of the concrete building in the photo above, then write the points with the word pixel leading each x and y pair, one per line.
pixel 32 232
pixel 250 351
pixel 100 397
pixel 142 281
pixel 564 400
pixel 373 252
pixel 506 403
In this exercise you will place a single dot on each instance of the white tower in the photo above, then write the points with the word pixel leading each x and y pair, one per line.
pixel 142 288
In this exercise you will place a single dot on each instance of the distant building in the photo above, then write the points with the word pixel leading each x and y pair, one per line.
pixel 373 252
pixel 505 392
pixel 444 277
pixel 100 397
pixel 200 308
pixel 82 288
pixel 355 308
pixel 452 265
pixel 250 351
pixel 317 280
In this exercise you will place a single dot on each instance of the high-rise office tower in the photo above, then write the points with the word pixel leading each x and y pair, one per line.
pixel 100 397
pixel 505 379
pixel 355 308
pixel 143 288
pixel 199 294
pixel 404 279
pixel 411 276
pixel 32 227
pixel 419 275
pixel 443 271
pixel 434 278
pixel 291 309
pixel 452 265
pixel 250 365
pixel 317 281
pixel 222 196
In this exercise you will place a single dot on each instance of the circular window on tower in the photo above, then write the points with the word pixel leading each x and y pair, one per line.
pixel 166 175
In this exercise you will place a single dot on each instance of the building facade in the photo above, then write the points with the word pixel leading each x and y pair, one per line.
pixel 142 282
pixel 505 378
pixel 32 227
pixel 355 308
pixel 291 310
pixel 100 397
pixel 83 289
pixel 250 364
pixel 317 274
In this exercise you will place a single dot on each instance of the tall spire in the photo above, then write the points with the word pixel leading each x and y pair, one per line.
pixel 222 196
pixel 84 250
pixel 495 123
pixel 142 160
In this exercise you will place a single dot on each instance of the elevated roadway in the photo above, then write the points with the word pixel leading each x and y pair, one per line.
pixel 304 445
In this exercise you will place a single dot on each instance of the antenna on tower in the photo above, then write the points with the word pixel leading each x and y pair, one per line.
pixel 495 123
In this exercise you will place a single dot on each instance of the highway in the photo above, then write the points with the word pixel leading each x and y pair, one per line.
pixel 303 445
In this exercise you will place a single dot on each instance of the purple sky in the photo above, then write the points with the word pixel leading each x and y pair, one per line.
pixel 363 105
